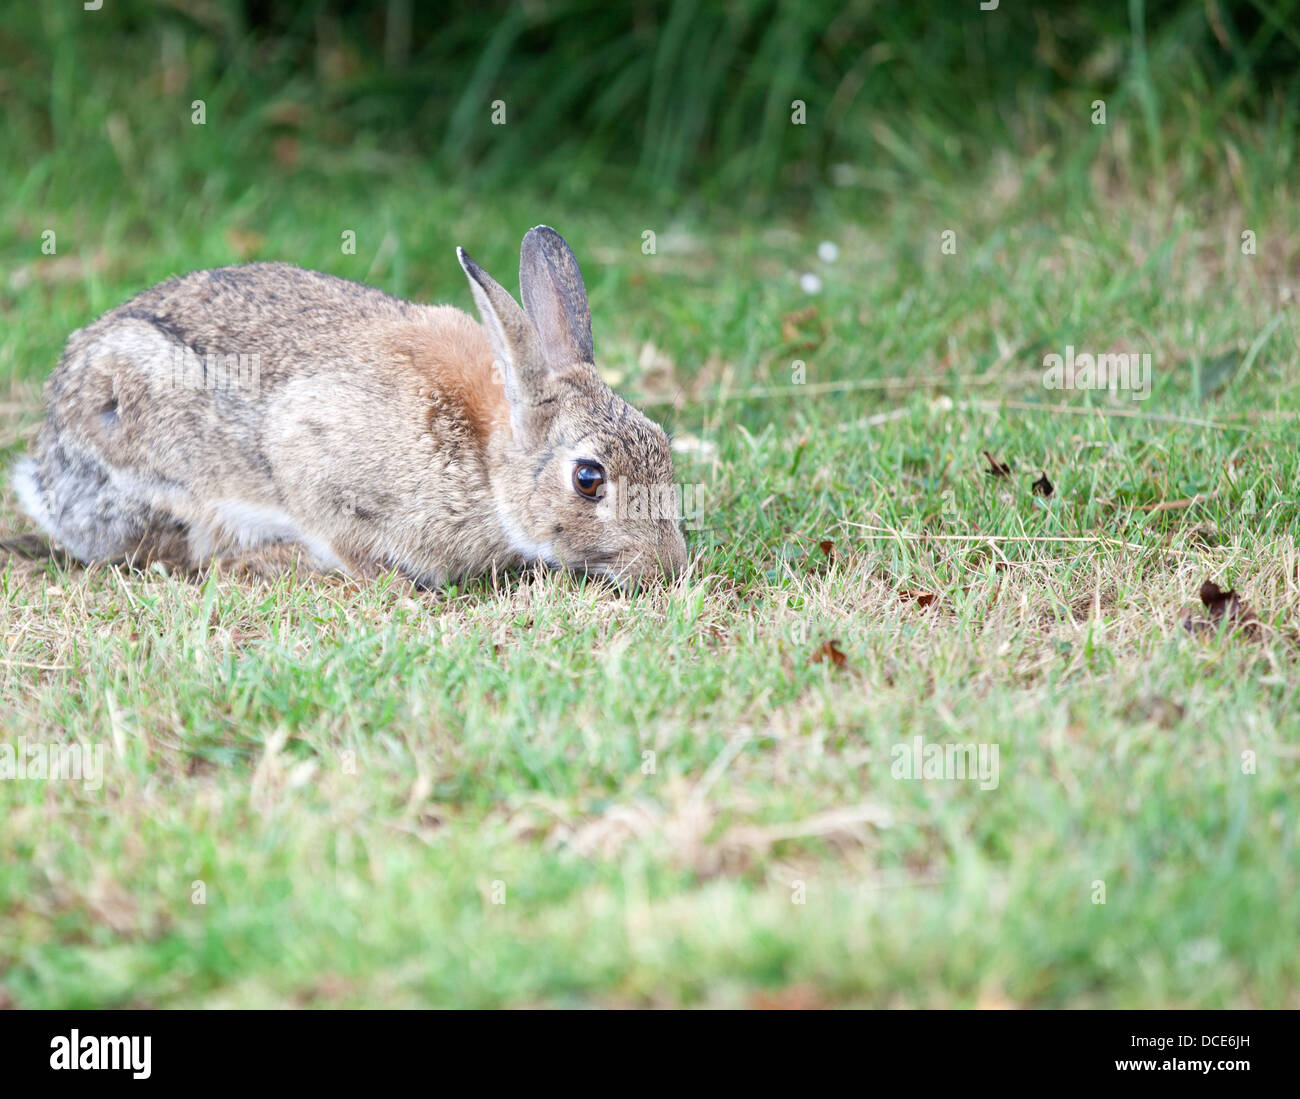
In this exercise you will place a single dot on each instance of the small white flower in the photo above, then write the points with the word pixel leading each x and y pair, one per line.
pixel 828 251
pixel 810 283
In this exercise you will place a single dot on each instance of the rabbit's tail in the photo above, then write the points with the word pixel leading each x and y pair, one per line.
pixel 33 547
pixel 72 496
pixel 27 483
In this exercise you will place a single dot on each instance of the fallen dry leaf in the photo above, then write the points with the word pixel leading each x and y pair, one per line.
pixel 920 598
pixel 1223 606
pixel 830 651
pixel 803 330
pixel 791 323
pixel 1043 486
pixel 996 468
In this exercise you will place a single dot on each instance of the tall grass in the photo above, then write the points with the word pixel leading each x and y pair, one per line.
pixel 658 99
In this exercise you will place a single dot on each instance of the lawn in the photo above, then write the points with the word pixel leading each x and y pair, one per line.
pixel 534 790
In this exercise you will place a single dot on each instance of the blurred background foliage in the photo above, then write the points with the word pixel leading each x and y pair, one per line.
pixel 687 101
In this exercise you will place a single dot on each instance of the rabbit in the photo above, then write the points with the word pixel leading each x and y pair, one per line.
pixel 269 414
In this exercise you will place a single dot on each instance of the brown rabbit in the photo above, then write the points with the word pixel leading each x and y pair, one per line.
pixel 264 412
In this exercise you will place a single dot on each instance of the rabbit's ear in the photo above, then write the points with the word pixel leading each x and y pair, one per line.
pixel 512 337
pixel 550 285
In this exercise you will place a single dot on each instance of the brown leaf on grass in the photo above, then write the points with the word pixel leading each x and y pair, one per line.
pixel 803 330
pixel 791 323
pixel 830 651
pixel 1223 606
pixel 828 548
pixel 1043 486
pixel 996 468
pixel 920 598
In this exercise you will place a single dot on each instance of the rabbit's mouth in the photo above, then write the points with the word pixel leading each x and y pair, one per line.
pixel 600 565
pixel 630 572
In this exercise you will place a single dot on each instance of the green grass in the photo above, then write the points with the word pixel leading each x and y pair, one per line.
pixel 350 770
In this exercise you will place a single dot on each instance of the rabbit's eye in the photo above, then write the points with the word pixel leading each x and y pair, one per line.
pixel 588 478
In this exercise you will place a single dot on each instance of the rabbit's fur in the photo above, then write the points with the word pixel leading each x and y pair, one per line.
pixel 358 432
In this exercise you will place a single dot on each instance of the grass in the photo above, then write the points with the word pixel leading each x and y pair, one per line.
pixel 358 774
